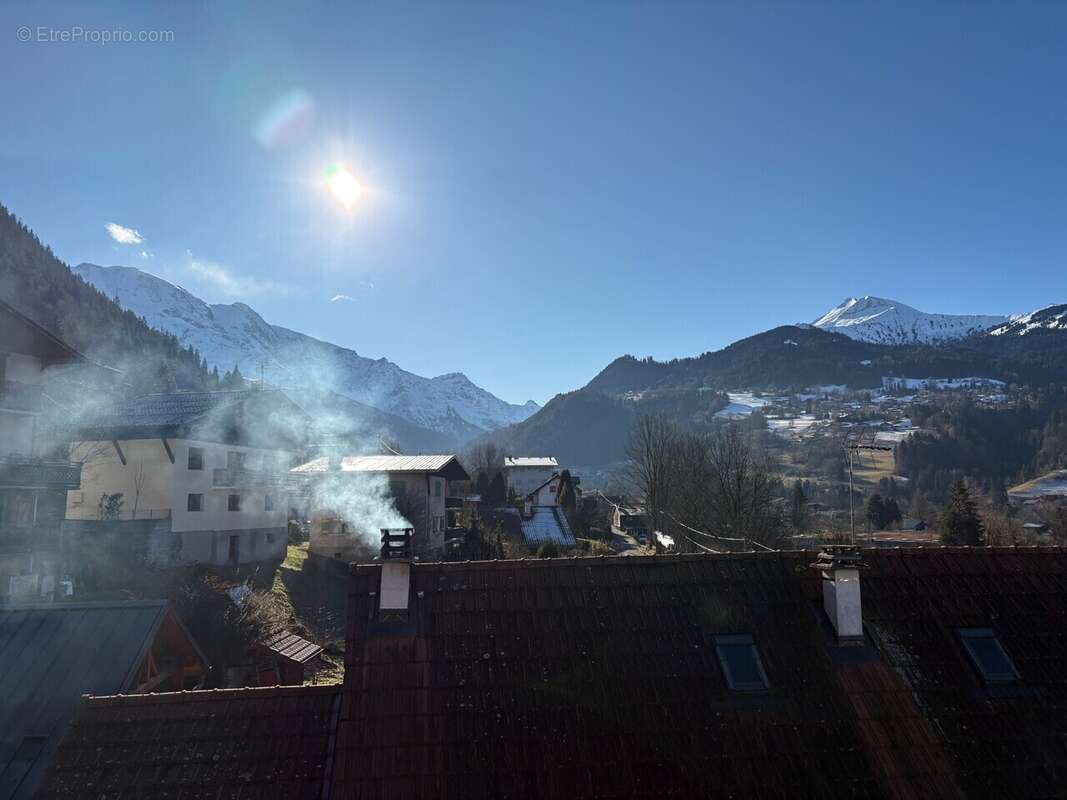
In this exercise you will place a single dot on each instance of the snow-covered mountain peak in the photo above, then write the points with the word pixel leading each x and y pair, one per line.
pixel 232 334
pixel 1048 318
pixel 884 321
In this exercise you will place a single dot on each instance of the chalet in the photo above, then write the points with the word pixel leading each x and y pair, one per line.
pixel 353 497
pixel 923 672
pixel 33 486
pixel 547 493
pixel 50 655
pixel 628 519
pixel 190 477
pixel 523 474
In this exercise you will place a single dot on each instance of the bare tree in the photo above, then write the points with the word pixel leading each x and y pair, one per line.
pixel 138 486
pixel 653 459
pixel 723 486
pixel 742 489
pixel 487 458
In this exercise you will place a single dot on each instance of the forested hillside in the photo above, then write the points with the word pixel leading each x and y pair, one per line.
pixel 43 288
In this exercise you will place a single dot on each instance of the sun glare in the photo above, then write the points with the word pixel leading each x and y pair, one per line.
pixel 343 185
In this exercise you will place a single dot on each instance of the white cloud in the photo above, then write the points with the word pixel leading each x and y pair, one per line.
pixel 145 254
pixel 230 284
pixel 122 234
pixel 342 297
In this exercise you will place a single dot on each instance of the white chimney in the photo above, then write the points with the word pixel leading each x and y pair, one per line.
pixel 840 570
pixel 396 571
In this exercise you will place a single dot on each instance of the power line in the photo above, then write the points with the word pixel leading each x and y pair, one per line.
pixel 713 536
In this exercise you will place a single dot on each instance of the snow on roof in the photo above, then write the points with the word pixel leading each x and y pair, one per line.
pixel 547 525
pixel 530 461
pixel 432 463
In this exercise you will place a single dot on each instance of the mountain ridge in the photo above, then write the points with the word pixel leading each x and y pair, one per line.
pixel 229 334
pixel 884 321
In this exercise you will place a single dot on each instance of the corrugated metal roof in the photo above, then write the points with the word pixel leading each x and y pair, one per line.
pixel 432 463
pixel 548 524
pixel 530 461
pixel 289 645
pixel 52 655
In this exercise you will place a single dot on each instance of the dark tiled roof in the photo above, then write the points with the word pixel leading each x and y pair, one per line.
pixel 49 657
pixel 234 743
pixel 212 416
pixel 597 678
pixel 22 335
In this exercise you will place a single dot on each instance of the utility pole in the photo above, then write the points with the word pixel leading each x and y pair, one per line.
pixel 852 446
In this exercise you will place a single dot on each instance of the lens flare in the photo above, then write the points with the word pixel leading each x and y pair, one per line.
pixel 343 185
pixel 288 118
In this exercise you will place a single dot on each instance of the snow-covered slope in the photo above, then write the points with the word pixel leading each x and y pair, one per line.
pixel 875 319
pixel 1050 319
pixel 226 335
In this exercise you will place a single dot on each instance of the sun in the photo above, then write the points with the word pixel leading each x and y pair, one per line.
pixel 343 185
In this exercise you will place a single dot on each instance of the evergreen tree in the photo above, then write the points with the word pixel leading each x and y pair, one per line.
pixel 961 523
pixel 892 513
pixel 568 499
pixel 481 485
pixel 168 381
pixel 876 512
pixel 548 550
pixel 799 514
pixel 498 491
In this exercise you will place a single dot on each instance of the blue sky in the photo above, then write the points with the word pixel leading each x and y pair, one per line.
pixel 550 185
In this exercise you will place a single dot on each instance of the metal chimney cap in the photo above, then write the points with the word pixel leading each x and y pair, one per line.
pixel 396 544
pixel 842 557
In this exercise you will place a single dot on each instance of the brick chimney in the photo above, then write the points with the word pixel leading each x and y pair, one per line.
pixel 840 570
pixel 396 570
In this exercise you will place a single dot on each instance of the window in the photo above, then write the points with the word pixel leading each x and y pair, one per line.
pixel 195 502
pixel 437 488
pixel 196 458
pixel 740 663
pixel 268 502
pixel 987 655
pixel 234 502
pixel 235 460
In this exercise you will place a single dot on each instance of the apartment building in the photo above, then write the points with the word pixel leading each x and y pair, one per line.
pixel 345 515
pixel 33 481
pixel 190 477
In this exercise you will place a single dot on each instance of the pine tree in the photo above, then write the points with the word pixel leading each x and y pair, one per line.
pixel 892 512
pixel 799 515
pixel 876 512
pixel 961 523
pixel 481 485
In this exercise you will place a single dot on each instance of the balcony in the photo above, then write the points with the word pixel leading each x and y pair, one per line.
pixel 39 473
pixel 17 396
pixel 226 478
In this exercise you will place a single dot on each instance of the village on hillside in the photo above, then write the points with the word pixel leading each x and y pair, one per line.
pixel 178 542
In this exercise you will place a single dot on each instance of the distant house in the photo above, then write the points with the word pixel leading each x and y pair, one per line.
pixel 1050 488
pixel 416 486
pixel 912 524
pixel 50 655
pixel 200 477
pixel 771 674
pixel 629 519
pixel 547 493
pixel 32 487
pixel 524 474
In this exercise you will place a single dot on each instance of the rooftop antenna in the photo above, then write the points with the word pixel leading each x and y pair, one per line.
pixel 857 439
